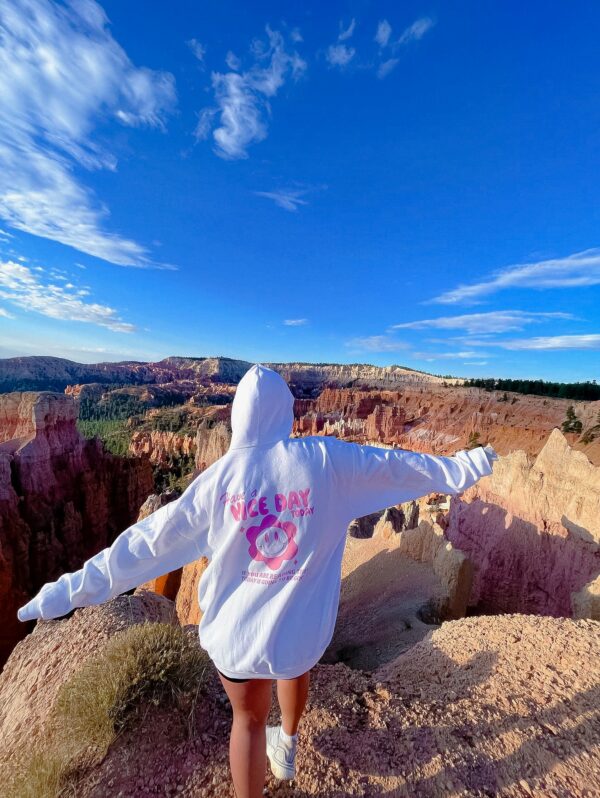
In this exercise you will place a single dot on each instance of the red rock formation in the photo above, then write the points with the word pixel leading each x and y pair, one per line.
pixel 440 420
pixel 40 664
pixel 212 442
pixel 168 584
pixel 159 446
pixel 532 530
pixel 63 498
pixel 188 610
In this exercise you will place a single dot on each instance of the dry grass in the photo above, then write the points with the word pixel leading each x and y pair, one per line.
pixel 149 663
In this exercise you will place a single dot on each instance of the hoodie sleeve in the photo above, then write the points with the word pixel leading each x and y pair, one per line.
pixel 169 538
pixel 375 478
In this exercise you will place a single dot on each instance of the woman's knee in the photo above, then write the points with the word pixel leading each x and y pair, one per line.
pixel 251 702
pixel 249 719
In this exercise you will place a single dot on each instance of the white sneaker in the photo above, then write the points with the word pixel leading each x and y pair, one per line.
pixel 281 757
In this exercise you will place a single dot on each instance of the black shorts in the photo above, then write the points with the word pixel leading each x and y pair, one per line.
pixel 229 679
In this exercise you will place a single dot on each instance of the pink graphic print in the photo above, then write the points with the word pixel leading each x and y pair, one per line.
pixel 272 542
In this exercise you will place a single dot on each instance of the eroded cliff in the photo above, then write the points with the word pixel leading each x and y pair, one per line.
pixel 62 499
pixel 531 529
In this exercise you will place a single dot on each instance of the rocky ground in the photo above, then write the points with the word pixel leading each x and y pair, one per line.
pixel 487 706
pixel 382 593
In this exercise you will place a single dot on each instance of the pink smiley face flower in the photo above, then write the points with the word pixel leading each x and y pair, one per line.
pixel 272 542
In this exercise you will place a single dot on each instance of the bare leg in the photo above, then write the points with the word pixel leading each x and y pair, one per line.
pixel 251 702
pixel 292 695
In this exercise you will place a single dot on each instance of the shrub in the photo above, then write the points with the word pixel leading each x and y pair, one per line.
pixel 155 663
pixel 473 441
pixel 149 662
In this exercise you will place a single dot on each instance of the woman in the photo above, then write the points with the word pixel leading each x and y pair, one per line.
pixel 271 515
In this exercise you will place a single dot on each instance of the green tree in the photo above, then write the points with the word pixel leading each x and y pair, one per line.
pixel 571 422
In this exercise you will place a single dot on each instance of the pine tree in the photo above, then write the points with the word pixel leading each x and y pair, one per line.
pixel 571 422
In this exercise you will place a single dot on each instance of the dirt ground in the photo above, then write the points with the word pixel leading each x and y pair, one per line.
pixel 382 593
pixel 487 706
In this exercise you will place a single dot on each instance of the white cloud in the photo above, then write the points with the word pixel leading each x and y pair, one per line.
pixel 198 49
pixel 340 54
pixel 346 33
pixel 555 342
pixel 62 73
pixel 242 98
pixel 572 271
pixel 476 363
pixel 289 199
pixel 205 123
pixel 232 61
pixel 25 289
pixel 496 321
pixel 447 355
pixel 6 314
pixel 413 33
pixel 296 36
pixel 416 31
pixel 376 343
pixel 386 67
pixel 384 31
pixel 295 322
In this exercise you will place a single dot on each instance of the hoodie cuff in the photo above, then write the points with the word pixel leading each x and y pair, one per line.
pixel 48 603
pixel 480 460
pixel 29 611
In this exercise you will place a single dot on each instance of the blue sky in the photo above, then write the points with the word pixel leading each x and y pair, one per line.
pixel 410 183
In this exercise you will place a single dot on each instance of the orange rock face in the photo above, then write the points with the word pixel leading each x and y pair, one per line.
pixel 186 603
pixel 63 498
pixel 440 420
pixel 531 530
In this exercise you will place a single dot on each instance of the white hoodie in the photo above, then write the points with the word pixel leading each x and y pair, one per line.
pixel 271 515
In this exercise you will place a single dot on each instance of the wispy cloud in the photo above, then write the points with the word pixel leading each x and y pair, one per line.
pixel 447 355
pixel 416 31
pixel 555 342
pixel 496 321
pixel 389 49
pixel 295 322
pixel 384 31
pixel 62 73
pixel 376 343
pixel 573 271
pixel 241 98
pixel 346 33
pixel 340 55
pixel 476 363
pixel 27 289
pixel 290 199
pixel 5 314
pixel 386 67
pixel 198 49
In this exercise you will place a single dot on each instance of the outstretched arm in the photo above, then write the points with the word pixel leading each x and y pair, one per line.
pixel 379 478
pixel 169 538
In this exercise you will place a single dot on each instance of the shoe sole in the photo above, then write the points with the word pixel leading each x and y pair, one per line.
pixel 281 772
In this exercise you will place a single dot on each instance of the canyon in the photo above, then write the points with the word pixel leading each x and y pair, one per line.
pixel 445 601
pixel 62 499
pixel 42 373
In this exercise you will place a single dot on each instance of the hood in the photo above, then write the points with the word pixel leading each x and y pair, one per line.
pixel 262 409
